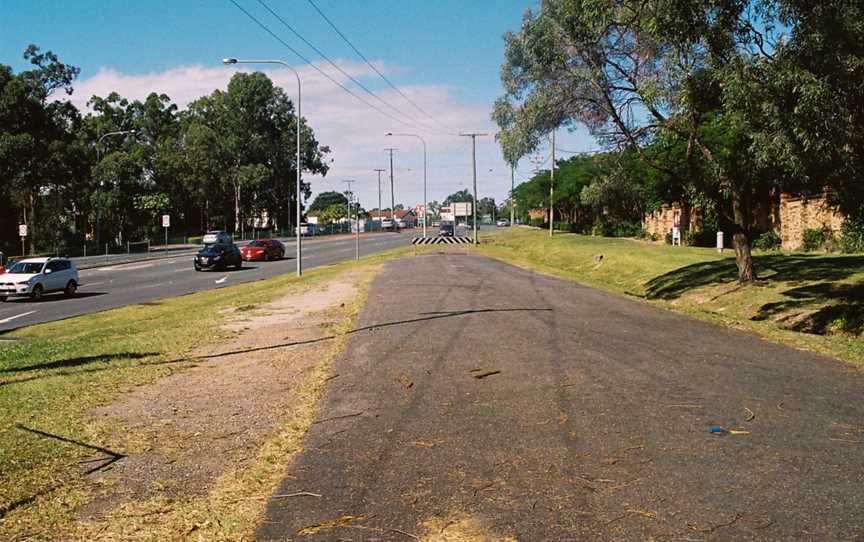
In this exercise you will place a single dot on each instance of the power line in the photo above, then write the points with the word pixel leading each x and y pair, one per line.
pixel 368 63
pixel 316 68
pixel 337 67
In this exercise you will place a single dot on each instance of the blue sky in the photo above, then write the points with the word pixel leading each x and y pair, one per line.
pixel 445 54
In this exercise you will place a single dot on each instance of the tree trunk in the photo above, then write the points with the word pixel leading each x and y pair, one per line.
pixel 684 220
pixel 741 242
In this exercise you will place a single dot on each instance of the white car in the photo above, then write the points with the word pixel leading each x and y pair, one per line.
pixel 34 277
pixel 387 224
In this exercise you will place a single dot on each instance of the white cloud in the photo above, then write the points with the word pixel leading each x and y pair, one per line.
pixel 354 131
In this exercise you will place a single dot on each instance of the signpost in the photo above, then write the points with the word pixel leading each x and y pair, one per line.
pixel 22 232
pixel 420 212
pixel 166 223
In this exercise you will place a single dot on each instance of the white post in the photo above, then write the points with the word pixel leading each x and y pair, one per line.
pixel 720 241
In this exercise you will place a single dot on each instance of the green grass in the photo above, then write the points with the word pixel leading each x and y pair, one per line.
pixel 58 372
pixel 809 301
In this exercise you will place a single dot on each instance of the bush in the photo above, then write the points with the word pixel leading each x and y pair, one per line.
pixel 813 239
pixel 538 222
pixel 668 237
pixel 770 240
pixel 852 235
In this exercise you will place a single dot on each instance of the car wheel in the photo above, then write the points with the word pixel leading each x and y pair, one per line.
pixel 239 265
pixel 37 292
pixel 71 288
pixel 197 267
pixel 2 298
pixel 266 256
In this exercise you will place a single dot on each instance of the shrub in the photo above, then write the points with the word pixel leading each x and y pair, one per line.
pixel 770 240
pixel 852 235
pixel 538 222
pixel 668 237
pixel 813 239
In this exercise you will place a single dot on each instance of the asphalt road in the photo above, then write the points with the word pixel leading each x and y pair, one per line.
pixel 113 286
pixel 591 422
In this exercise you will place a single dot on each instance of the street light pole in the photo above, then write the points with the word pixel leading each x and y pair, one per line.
pixel 229 61
pixel 392 195
pixel 356 217
pixel 425 198
pixel 99 159
pixel 380 212
pixel 473 137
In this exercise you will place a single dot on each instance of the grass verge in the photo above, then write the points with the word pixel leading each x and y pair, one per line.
pixel 58 372
pixel 809 301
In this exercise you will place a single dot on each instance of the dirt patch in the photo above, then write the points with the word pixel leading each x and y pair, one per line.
pixel 184 431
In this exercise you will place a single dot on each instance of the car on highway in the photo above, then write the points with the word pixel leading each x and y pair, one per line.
pixel 218 256
pixel 263 249
pixel 502 223
pixel 387 224
pixel 446 229
pixel 34 277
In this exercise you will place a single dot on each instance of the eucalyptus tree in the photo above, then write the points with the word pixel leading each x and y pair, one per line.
pixel 633 70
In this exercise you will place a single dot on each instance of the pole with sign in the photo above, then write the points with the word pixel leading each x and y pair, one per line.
pixel 166 223
pixel 22 232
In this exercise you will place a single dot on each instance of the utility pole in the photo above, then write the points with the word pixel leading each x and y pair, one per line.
pixel 512 188
pixel 356 218
pixel 473 136
pixel 379 194
pixel 392 195
pixel 552 190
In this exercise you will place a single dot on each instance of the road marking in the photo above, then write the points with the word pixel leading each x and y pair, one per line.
pixel 125 267
pixel 220 281
pixel 91 284
pixel 7 320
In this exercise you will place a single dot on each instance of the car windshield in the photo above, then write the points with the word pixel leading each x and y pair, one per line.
pixel 26 268
pixel 257 244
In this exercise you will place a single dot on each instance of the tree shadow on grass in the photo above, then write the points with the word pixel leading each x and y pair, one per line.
pixel 840 309
pixel 79 361
pixel 776 267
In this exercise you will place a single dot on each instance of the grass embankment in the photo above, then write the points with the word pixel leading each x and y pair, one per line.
pixel 809 301
pixel 57 373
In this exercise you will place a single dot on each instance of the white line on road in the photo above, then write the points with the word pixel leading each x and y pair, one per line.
pixel 91 284
pixel 7 320
pixel 125 267
pixel 220 281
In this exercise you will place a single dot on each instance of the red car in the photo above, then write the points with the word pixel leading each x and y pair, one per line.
pixel 263 249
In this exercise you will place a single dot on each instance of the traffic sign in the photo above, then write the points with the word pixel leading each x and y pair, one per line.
pixel 166 221
pixel 22 230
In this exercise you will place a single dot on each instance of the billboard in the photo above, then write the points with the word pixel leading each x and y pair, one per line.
pixel 461 208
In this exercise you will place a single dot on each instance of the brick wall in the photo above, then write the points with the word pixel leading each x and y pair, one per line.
pixel 798 214
pixel 660 222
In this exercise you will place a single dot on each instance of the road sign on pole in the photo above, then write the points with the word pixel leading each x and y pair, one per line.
pixel 22 230
pixel 166 223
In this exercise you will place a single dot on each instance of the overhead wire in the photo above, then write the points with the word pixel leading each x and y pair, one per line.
pixel 368 63
pixel 316 68
pixel 340 69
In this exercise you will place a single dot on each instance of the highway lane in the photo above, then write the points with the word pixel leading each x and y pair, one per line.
pixel 114 286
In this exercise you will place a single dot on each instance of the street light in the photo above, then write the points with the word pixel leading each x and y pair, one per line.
pixel 99 159
pixel 230 61
pixel 425 202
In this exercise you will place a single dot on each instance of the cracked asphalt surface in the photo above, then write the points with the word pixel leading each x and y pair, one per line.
pixel 595 428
